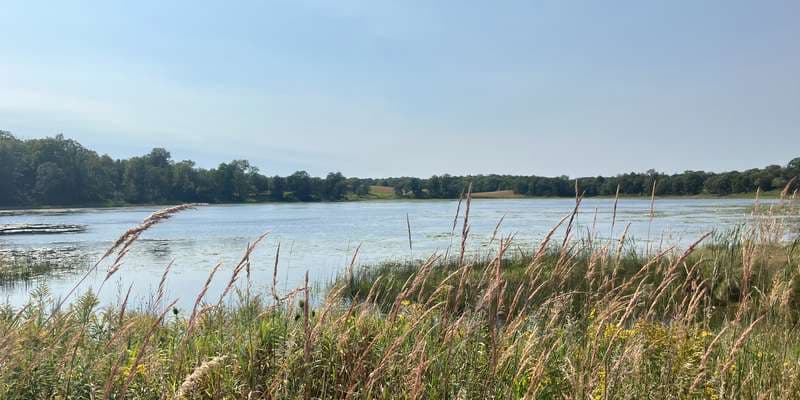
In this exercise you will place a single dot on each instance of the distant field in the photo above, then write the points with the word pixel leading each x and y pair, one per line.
pixel 382 192
pixel 498 194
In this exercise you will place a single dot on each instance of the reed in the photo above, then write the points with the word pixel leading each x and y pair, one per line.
pixel 569 318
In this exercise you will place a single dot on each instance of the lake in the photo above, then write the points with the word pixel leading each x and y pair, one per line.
pixel 321 237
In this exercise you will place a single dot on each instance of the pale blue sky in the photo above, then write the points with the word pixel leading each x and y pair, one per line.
pixel 376 88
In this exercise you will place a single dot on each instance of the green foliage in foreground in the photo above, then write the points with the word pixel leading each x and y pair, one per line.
pixel 587 320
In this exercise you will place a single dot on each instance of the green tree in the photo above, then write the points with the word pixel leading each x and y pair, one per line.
pixel 51 185
pixel 299 184
pixel 57 170
pixel 277 187
pixel 184 181
pixel 334 186
pixel 11 161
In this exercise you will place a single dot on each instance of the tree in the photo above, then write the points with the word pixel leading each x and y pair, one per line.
pixel 694 182
pixel 235 180
pixel 102 175
pixel 57 170
pixel 277 187
pixel 51 187
pixel 159 158
pixel 334 186
pixel 11 189
pixel 184 181
pixel 719 184
pixel 409 187
pixel 134 181
pixel 299 183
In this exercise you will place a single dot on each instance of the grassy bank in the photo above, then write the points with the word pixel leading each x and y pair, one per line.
pixel 572 318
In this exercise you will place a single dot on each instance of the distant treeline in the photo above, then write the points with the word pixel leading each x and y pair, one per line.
pixel 59 171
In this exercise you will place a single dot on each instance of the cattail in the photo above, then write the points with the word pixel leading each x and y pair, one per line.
pixel 193 380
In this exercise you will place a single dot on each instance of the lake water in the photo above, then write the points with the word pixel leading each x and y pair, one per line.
pixel 321 237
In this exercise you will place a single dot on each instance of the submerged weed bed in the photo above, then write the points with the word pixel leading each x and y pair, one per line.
pixel 27 268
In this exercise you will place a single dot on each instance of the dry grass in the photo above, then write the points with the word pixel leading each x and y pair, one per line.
pixel 382 192
pixel 498 194
pixel 382 189
pixel 578 318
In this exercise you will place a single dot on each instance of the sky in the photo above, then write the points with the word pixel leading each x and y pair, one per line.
pixel 403 88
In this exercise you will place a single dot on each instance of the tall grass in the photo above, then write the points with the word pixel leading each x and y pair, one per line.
pixel 579 318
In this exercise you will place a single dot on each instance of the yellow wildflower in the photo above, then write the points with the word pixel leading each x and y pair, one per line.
pixel 600 390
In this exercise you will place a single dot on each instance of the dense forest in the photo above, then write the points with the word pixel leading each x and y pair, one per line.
pixel 59 171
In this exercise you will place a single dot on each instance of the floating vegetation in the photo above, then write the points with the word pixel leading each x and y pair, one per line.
pixel 40 229
pixel 28 266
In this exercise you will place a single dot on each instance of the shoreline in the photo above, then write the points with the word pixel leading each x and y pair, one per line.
pixel 69 208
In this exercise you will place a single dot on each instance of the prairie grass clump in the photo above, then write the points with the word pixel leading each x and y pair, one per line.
pixel 582 318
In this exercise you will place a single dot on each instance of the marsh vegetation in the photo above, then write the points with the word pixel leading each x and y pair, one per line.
pixel 577 316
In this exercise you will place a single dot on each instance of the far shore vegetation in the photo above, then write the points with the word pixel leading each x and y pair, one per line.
pixel 57 171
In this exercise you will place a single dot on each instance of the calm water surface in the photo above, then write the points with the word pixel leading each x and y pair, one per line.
pixel 321 237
